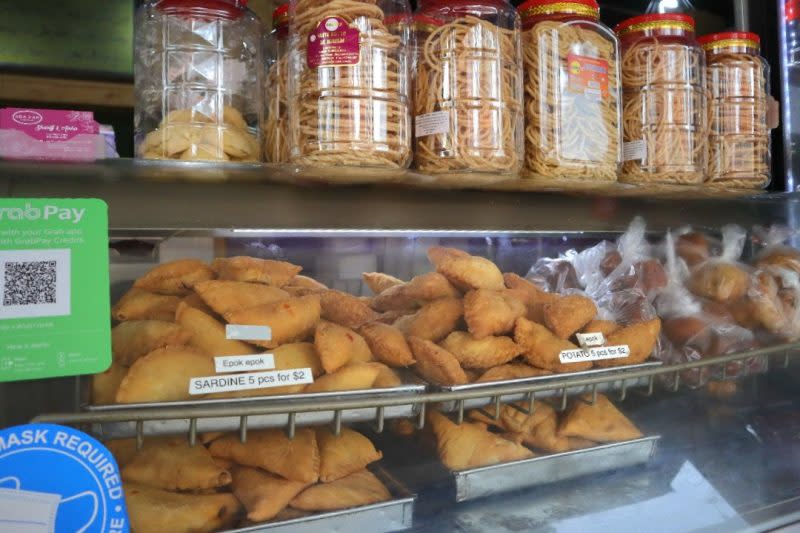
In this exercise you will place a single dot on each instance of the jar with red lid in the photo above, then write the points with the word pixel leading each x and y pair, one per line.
pixel 572 91
pixel 665 113
pixel 468 103
pixel 350 84
pixel 276 81
pixel 738 83
pixel 198 77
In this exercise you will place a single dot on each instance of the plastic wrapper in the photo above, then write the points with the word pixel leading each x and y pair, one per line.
pixel 723 279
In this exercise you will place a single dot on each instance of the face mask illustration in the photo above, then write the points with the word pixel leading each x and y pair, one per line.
pixel 23 511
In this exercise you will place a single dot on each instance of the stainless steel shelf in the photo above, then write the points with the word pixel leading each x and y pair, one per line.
pixel 562 387
pixel 152 197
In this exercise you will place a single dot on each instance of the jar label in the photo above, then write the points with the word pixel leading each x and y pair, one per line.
pixel 634 151
pixel 334 43
pixel 588 77
pixel 434 123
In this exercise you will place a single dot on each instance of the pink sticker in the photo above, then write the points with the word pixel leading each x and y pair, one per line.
pixel 50 135
pixel 49 125
pixel 333 44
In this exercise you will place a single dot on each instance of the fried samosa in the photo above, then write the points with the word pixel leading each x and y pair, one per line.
pixel 543 349
pixel 163 375
pixel 379 282
pixel 470 272
pixel 490 313
pixel 290 320
pixel 137 304
pixel 434 321
pixel 345 309
pixel 640 339
pixel 270 449
pixel 352 377
pixel 106 384
pixel 229 296
pixel 337 346
pixel 601 422
pixel 156 511
pixel 481 353
pixel 171 464
pixel 436 364
pixel 263 495
pixel 388 344
pixel 207 334
pixel 344 455
pixel 512 371
pixel 135 338
pixel 175 278
pixel 355 490
pixel 254 270
pixel 471 445
pixel 569 314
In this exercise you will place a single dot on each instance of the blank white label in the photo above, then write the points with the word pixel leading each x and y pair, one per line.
pixel 255 380
pixel 237 332
pixel 594 354
pixel 634 151
pixel 432 123
pixel 589 340
pixel 244 363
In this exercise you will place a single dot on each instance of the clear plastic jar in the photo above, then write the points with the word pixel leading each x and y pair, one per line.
pixel 572 91
pixel 198 78
pixel 738 81
pixel 665 113
pixel 468 87
pixel 349 83
pixel 276 81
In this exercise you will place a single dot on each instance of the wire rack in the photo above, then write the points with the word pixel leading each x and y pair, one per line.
pixel 670 377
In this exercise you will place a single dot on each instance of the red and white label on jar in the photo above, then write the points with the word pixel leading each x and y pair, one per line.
pixel 334 43
pixel 588 77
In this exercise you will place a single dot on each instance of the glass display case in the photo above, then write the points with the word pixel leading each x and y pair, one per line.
pixel 532 429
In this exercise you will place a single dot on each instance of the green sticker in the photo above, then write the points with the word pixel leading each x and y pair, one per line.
pixel 54 288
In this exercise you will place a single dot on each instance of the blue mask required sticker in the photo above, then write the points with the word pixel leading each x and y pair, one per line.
pixel 55 479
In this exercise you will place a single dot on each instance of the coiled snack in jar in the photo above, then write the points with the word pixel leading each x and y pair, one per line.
pixel 276 88
pixel 665 114
pixel 468 104
pixel 572 91
pixel 349 87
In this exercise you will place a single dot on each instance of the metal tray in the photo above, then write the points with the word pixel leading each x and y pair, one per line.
pixel 201 413
pixel 394 515
pixel 618 384
pixel 491 480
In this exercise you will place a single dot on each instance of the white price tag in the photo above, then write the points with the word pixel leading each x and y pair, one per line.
pixel 244 363
pixel 255 380
pixel 238 332
pixel 432 123
pixel 594 354
pixel 634 151
pixel 589 340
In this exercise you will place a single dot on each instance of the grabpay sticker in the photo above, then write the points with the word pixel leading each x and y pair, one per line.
pixel 54 288
pixel 54 478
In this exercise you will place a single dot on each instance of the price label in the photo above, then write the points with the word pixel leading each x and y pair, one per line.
pixel 589 340
pixel 238 332
pixel 594 354
pixel 239 363
pixel 250 381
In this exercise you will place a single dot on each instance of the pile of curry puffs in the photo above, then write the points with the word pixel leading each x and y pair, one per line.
pixel 223 483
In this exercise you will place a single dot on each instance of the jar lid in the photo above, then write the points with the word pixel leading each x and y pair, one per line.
pixel 728 39
pixel 280 17
pixel 426 23
pixel 229 9
pixel 656 21
pixel 538 8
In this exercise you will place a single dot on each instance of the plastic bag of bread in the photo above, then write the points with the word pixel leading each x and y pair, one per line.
pixel 723 279
pixel 773 250
pixel 556 275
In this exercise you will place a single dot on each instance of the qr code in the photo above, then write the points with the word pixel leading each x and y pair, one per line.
pixel 34 283
pixel 30 283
